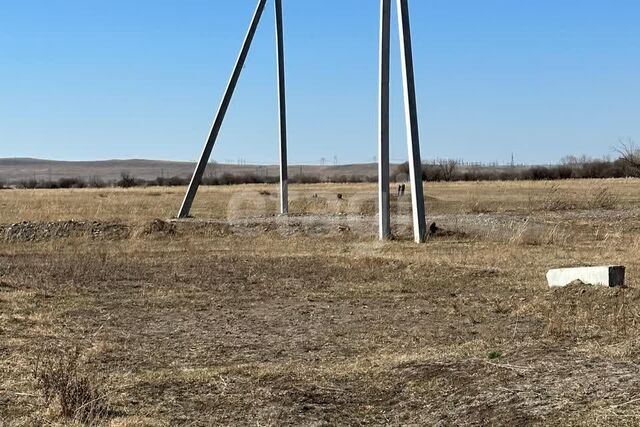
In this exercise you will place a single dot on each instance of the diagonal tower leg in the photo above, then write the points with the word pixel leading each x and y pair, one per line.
pixel 282 104
pixel 222 110
pixel 411 116
pixel 383 122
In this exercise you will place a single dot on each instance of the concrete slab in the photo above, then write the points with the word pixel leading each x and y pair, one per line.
pixel 610 276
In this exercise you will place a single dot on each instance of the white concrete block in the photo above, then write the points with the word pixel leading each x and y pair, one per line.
pixel 611 276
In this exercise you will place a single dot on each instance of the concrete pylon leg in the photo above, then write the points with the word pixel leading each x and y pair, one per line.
pixel 282 104
pixel 383 122
pixel 196 179
pixel 411 115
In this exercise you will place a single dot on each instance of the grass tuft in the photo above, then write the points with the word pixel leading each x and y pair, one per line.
pixel 494 355
pixel 77 394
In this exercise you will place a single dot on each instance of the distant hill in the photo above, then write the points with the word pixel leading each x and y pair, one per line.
pixel 19 169
pixel 38 173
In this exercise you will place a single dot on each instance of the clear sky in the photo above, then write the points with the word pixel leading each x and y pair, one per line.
pixel 101 79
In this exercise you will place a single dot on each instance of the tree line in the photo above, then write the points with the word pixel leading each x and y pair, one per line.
pixel 450 171
pixel 571 167
pixel 126 180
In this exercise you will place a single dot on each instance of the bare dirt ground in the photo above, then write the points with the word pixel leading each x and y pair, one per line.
pixel 240 317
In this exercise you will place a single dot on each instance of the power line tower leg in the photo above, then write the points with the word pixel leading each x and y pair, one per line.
pixel 196 180
pixel 383 122
pixel 411 114
pixel 282 103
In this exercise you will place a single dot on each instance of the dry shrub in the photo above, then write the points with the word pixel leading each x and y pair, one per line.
pixel 479 207
pixel 603 198
pixel 309 205
pixel 77 394
pixel 521 234
pixel 556 200
pixel 529 234
pixel 368 206
pixel 136 421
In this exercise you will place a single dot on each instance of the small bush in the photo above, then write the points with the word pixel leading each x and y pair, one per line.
pixel 71 183
pixel 96 182
pixel 306 179
pixel 126 181
pixel 528 234
pixel 174 181
pixel 556 200
pixel 479 207
pixel 494 355
pixel 27 184
pixel 603 199
pixel 77 394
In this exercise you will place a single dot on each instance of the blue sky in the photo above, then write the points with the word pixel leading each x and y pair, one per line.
pixel 101 79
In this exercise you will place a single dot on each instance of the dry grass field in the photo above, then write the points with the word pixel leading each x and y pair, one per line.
pixel 111 315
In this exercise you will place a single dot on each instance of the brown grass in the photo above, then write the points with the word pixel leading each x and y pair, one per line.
pixel 247 318
pixel 76 394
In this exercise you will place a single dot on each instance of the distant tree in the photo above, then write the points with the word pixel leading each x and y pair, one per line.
pixel 68 183
pixel 447 169
pixel 126 180
pixel 570 160
pixel 630 155
pixel 96 182
pixel 401 172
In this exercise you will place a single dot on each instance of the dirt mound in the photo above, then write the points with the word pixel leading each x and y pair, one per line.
pixel 38 231
pixel 202 228
pixel 285 226
pixel 578 288
pixel 157 228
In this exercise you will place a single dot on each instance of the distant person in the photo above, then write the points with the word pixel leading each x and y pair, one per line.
pixel 404 187
pixel 399 190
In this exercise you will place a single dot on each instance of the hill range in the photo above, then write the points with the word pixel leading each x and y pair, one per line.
pixel 19 169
